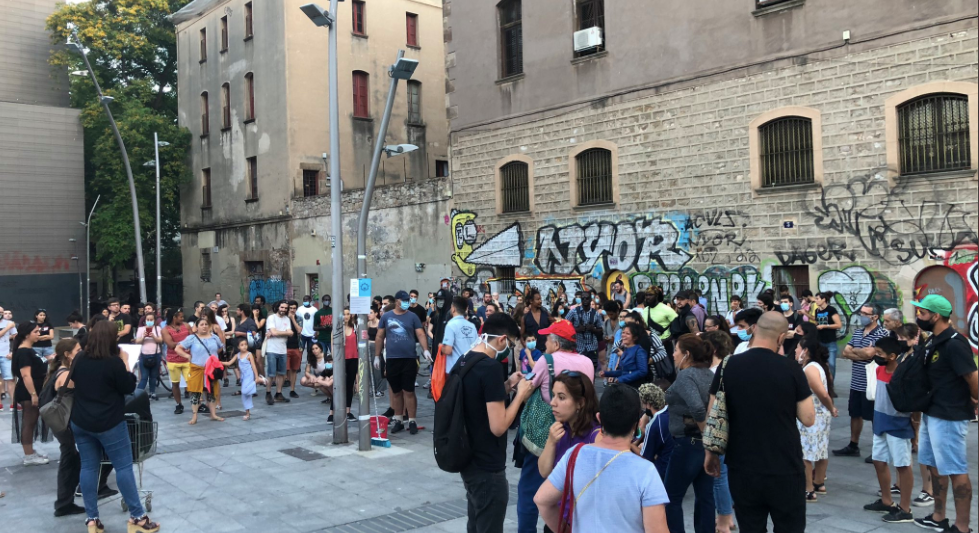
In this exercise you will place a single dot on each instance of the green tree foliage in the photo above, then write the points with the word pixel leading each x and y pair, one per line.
pixel 133 52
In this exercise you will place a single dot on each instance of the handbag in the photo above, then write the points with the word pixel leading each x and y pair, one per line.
pixel 537 416
pixel 567 494
pixel 716 430
pixel 57 413
pixel 871 370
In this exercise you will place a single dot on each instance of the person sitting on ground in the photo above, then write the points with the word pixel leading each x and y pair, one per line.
pixel 575 406
pixel 607 471
pixel 319 371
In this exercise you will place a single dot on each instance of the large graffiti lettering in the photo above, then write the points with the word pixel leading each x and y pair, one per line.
pixel 718 284
pixel 550 287
pixel 503 249
pixel 888 226
pixel 831 250
pixel 626 245
pixel 272 289
pixel 855 286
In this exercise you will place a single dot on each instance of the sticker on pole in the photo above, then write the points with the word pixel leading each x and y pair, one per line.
pixel 360 296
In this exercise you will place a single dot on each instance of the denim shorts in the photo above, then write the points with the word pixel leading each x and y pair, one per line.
pixel 275 364
pixel 942 444
pixel 5 372
pixel 45 352
pixel 892 450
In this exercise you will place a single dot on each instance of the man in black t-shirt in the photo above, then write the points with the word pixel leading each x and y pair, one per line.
pixel 485 390
pixel 942 441
pixel 119 315
pixel 766 393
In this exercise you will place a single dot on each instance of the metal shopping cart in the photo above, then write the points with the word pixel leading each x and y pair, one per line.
pixel 142 436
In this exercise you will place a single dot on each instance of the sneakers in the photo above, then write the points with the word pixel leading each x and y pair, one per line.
pixel 869 460
pixel 293 394
pixel 287 383
pixel 154 397
pixel 315 393
pixel 107 493
pixel 280 398
pixel 351 417
pixel 954 529
pixel 389 413
pixel 179 409
pixel 35 460
pixel 929 522
pixel 879 507
pixel 413 427
pixel 923 500
pixel 71 509
pixel 850 450
pixel 268 398
pixel 898 516
pixel 894 490
pixel 396 427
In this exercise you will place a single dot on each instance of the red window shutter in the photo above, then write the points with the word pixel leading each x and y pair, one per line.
pixel 361 107
pixel 411 23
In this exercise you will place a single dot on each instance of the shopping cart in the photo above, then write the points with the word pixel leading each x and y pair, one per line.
pixel 142 436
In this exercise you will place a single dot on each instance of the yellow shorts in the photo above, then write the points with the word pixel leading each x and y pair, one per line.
pixel 178 369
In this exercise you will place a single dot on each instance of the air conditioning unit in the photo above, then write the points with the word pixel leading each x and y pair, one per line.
pixel 587 39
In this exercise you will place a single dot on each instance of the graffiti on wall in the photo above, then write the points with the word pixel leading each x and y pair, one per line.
pixel 503 249
pixel 831 250
pixel 855 286
pixel 627 245
pixel 889 227
pixel 718 284
pixel 956 280
pixel 272 289
pixel 550 287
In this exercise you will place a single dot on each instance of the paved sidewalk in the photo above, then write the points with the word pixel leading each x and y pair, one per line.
pixel 280 472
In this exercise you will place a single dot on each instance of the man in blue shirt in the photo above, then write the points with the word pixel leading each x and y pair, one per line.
pixel 460 334
pixel 588 325
pixel 400 328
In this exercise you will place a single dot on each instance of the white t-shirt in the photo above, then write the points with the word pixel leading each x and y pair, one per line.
pixel 5 338
pixel 221 323
pixel 304 315
pixel 461 335
pixel 279 323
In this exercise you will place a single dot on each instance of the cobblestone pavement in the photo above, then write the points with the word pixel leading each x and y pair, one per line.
pixel 280 472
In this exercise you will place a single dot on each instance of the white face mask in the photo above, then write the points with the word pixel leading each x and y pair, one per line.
pixel 485 340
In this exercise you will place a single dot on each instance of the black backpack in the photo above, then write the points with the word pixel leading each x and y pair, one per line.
pixel 453 451
pixel 910 388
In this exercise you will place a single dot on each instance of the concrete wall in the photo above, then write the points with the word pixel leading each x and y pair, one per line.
pixel 688 215
pixel 25 75
pixel 42 190
pixel 649 43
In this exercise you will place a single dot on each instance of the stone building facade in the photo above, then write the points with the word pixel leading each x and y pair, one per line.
pixel 252 84
pixel 686 161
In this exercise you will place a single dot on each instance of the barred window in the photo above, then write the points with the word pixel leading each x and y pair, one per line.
pixel 590 14
pixel 594 176
pixel 786 152
pixel 511 38
pixel 933 134
pixel 414 102
pixel 311 180
pixel 506 281
pixel 206 266
pixel 515 187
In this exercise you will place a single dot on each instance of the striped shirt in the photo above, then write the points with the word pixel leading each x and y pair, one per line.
pixel 858 379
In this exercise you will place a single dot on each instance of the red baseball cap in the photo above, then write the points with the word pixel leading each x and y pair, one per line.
pixel 561 328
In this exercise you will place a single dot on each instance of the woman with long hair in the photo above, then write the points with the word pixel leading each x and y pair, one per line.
pixel 178 366
pixel 150 338
pixel 45 334
pixel 30 367
pixel 829 323
pixel 574 405
pixel 349 360
pixel 197 348
pixel 814 358
pixel 218 330
pixel 688 399
pixel 230 344
pixel 719 343
pixel 102 381
pixel 319 371
pixel 69 465
pixel 632 358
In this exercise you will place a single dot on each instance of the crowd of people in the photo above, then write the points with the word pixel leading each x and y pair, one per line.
pixel 607 395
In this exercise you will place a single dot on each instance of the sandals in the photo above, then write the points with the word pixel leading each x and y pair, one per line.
pixel 811 497
pixel 142 525
pixel 819 488
pixel 95 526
pixel 237 393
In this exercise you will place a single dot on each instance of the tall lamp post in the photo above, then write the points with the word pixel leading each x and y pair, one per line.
pixel 157 144
pixel 105 100
pixel 402 69
pixel 88 260
pixel 320 17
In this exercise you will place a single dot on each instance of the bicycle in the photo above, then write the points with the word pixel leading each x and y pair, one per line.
pixel 164 377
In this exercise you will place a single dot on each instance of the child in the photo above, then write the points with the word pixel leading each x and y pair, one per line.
pixel 529 355
pixel 246 364
pixel 892 438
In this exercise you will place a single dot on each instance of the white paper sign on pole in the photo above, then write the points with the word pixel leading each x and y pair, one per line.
pixel 360 296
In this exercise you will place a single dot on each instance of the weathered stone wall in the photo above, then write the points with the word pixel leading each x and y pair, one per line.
pixel 687 214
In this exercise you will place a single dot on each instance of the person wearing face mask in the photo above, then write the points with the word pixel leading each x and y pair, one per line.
pixel 794 319
pixel 942 440
pixel 828 323
pixel 419 311
pixel 150 338
pixel 529 355
pixel 460 335
pixel 397 333
pixel 814 359
pixel 745 322
pixel 323 323
pixel 860 350
pixel 766 394
pixel 305 316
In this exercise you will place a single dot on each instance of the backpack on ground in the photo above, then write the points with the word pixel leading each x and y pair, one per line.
pixel 453 452
pixel 910 388
pixel 537 416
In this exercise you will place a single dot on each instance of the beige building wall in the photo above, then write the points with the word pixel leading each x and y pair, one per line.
pixel 282 232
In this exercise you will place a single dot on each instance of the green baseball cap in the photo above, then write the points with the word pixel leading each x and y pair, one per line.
pixel 935 304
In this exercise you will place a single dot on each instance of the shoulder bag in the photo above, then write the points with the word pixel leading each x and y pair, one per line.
pixel 537 417
pixel 716 430
pixel 567 494
pixel 57 413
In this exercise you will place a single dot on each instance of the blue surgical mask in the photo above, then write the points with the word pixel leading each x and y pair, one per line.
pixel 405 305
pixel 531 345
pixel 621 323
pixel 577 301
pixel 863 320
pixel 149 323
pixel 744 335
pixel 328 366
pixel 785 306
pixel 413 300
pixel 431 300
pixel 326 303
pixel 307 304
pixel 560 311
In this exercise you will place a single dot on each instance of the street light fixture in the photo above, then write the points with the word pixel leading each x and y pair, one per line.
pixel 79 73
pixel 321 17
pixel 105 101
pixel 402 69
pixel 88 260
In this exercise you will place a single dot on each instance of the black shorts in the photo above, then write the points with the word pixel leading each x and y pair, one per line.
pixel 860 407
pixel 401 374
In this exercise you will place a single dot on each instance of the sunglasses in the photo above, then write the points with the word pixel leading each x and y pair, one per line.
pixel 571 373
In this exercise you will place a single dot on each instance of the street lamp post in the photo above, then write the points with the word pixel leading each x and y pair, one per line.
pixel 88 260
pixel 320 17
pixel 105 100
pixel 157 143
pixel 402 69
